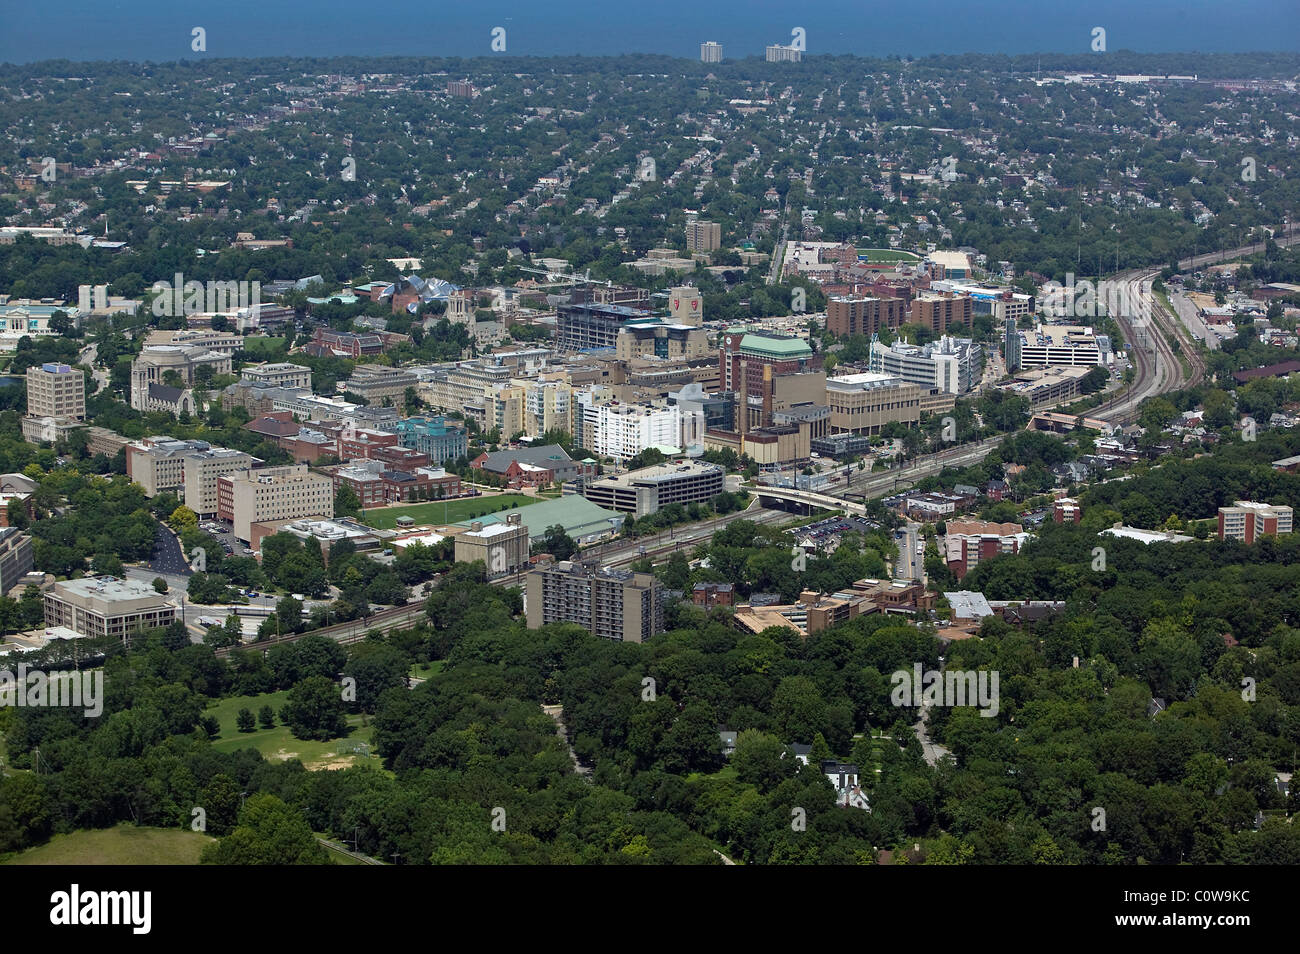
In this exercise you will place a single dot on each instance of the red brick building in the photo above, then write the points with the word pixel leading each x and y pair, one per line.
pixel 864 316
pixel 710 595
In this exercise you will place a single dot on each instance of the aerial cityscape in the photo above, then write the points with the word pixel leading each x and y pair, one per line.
pixel 783 453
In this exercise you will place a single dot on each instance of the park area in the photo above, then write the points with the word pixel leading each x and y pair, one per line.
pixel 278 743
pixel 121 845
pixel 446 511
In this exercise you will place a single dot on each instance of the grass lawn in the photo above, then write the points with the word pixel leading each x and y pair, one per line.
pixel 426 670
pixel 385 518
pixel 887 255
pixel 726 773
pixel 123 845
pixel 279 743
pixel 266 349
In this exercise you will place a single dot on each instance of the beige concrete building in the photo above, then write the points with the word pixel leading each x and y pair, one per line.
pixel 16 559
pixel 865 403
pixel 100 440
pixel 686 306
pixel 205 339
pixel 614 604
pixel 56 390
pixel 658 339
pixel 48 430
pixel 378 384
pixel 772 448
pixel 200 472
pixel 503 547
pixel 246 497
pixel 650 489
pixel 277 375
pixel 106 606
pixel 462 388
pixel 158 463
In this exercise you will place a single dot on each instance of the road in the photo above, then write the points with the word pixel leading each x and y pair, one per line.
pixel 910 565
pixel 167 555
pixel 933 752
pixel 88 356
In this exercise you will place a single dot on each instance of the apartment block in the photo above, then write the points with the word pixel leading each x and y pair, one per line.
pixel 650 489
pixel 776 53
pixel 273 493
pixel 703 236
pixel 56 390
pixel 710 52
pixel 622 431
pixel 1247 520
pixel 864 316
pixel 106 606
pixel 614 604
pixel 502 547
pixel 970 542
pixel 942 311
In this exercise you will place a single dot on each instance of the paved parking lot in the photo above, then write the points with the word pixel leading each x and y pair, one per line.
pixel 223 532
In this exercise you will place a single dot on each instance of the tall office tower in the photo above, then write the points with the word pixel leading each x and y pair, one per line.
pixel 56 390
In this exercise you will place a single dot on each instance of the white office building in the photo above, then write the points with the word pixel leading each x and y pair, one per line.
pixel 949 365
pixel 618 430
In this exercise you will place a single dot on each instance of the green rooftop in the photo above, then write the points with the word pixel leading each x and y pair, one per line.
pixel 777 346
pixel 576 514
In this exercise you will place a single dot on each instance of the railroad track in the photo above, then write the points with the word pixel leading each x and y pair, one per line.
pixel 353 631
